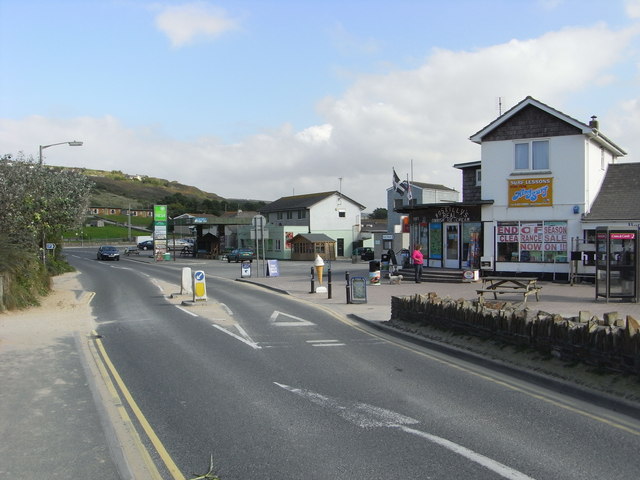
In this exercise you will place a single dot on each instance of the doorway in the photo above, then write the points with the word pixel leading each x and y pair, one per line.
pixel 452 245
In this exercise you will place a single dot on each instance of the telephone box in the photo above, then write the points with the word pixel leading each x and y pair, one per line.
pixel 617 263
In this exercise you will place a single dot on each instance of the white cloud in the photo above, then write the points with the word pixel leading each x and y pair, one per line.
pixel 425 115
pixel 185 23
pixel 632 8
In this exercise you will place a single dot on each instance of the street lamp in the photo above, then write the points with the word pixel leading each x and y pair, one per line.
pixel 73 143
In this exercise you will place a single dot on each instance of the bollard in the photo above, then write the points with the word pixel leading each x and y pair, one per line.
pixel 346 277
pixel 313 289
pixel 329 283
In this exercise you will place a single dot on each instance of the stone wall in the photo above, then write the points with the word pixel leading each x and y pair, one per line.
pixel 611 343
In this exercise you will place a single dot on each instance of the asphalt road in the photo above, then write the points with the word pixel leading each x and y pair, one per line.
pixel 276 388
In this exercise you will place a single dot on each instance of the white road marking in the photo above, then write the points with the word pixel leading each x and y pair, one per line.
pixel 251 343
pixel 325 343
pixel 186 311
pixel 227 309
pixel 369 416
pixel 297 321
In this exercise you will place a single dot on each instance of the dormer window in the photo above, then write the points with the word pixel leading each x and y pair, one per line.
pixel 532 155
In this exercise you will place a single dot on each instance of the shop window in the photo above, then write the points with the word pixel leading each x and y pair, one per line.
pixel 589 236
pixel 508 245
pixel 542 242
pixel 532 155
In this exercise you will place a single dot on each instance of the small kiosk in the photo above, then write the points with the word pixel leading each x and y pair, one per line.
pixel 617 263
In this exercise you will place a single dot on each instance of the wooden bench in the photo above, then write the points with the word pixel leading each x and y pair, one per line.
pixel 524 292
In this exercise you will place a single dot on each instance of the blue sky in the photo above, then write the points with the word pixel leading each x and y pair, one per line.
pixel 264 98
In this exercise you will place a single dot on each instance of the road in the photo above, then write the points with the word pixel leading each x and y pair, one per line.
pixel 276 388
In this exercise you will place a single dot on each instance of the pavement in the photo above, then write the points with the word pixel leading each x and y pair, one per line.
pixel 63 432
pixel 294 278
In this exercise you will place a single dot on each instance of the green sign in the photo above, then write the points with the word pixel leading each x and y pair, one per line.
pixel 160 213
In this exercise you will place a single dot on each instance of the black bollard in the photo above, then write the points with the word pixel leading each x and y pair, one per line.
pixel 346 277
pixel 313 288
pixel 329 283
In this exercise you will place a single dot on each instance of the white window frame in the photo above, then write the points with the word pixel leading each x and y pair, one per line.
pixel 478 177
pixel 530 154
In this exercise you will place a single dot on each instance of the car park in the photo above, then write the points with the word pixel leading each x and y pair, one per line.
pixel 241 254
pixel 108 252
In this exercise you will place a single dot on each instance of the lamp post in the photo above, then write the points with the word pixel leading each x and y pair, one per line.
pixel 73 143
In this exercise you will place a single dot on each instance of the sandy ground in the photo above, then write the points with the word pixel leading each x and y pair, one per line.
pixel 63 312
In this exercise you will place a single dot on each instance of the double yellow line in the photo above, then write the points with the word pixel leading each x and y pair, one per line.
pixel 108 372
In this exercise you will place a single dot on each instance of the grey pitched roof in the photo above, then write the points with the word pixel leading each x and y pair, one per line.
pixel 315 237
pixel 619 195
pixel 297 202
pixel 591 132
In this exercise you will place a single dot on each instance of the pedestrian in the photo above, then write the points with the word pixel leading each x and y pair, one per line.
pixel 418 261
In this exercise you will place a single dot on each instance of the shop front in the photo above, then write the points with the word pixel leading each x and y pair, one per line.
pixel 450 234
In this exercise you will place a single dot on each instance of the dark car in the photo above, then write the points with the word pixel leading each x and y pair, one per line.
pixel 107 252
pixel 241 254
pixel 365 253
pixel 146 245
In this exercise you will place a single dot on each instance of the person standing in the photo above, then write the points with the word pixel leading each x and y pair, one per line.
pixel 418 261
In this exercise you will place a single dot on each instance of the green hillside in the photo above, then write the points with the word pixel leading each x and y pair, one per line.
pixel 119 190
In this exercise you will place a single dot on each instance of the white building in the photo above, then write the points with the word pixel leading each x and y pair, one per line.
pixel 526 200
pixel 542 171
pixel 330 213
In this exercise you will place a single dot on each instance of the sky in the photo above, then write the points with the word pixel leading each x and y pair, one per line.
pixel 260 99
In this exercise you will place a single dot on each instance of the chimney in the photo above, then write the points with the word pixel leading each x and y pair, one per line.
pixel 594 122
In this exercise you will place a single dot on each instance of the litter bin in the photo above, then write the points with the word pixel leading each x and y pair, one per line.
pixel 374 272
pixel 167 256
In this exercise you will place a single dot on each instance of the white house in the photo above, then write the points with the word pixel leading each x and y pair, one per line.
pixel 330 213
pixel 526 204
pixel 541 171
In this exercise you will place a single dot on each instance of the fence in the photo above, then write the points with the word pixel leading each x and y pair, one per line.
pixel 611 343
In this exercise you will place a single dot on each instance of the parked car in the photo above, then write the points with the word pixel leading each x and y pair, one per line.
pixel 146 245
pixel 365 253
pixel 241 254
pixel 107 252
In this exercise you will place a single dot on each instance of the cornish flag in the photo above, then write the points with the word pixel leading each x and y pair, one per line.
pixel 397 185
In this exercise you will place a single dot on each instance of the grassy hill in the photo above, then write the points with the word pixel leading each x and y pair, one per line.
pixel 120 190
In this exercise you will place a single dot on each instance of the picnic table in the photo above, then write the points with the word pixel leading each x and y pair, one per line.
pixel 514 285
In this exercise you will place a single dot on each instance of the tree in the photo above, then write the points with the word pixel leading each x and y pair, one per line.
pixel 37 203
pixel 379 214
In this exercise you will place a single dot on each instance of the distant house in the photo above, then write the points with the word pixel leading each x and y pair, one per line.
pixel 330 213
pixel 135 212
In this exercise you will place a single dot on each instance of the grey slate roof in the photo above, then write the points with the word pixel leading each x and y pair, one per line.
pixel 315 237
pixel 297 202
pixel 619 195
pixel 592 132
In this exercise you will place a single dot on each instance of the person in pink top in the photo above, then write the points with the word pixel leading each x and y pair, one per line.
pixel 418 261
